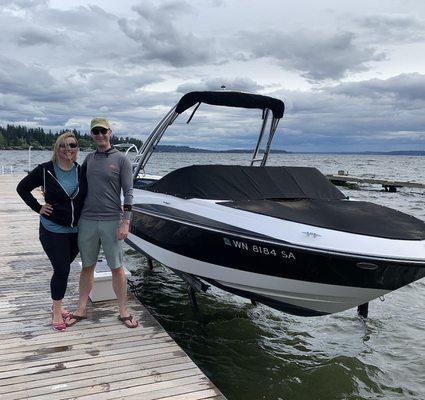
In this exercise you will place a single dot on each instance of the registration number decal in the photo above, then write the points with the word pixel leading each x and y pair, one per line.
pixel 258 249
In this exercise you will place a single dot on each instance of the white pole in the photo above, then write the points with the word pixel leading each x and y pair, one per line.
pixel 29 158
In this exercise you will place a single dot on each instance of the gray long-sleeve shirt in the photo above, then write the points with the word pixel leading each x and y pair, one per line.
pixel 107 174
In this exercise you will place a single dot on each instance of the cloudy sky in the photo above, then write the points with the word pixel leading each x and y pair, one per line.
pixel 351 73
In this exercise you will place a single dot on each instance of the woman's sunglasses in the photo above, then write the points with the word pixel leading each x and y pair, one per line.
pixel 71 145
pixel 98 131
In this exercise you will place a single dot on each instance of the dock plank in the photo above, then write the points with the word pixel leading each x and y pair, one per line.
pixel 98 358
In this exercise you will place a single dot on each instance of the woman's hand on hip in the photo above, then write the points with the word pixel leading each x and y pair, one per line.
pixel 46 209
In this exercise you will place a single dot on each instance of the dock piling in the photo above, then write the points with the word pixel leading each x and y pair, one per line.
pixel 363 310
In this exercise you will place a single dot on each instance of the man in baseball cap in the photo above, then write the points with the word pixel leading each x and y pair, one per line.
pixel 99 122
pixel 103 220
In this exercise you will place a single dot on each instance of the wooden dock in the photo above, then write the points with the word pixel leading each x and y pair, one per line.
pixel 388 185
pixel 98 358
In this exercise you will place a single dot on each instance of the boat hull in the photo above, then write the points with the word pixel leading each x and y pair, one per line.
pixel 297 280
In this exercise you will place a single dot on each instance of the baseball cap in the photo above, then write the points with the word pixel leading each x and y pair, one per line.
pixel 102 122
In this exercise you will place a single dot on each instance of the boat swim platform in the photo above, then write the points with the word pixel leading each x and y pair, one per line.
pixel 98 358
pixel 390 186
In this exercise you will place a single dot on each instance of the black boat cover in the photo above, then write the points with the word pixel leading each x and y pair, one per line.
pixel 232 99
pixel 349 216
pixel 235 182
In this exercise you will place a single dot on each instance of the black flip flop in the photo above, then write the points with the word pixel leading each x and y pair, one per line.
pixel 77 318
pixel 129 318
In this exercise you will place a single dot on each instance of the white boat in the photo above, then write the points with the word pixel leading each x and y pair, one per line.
pixel 282 236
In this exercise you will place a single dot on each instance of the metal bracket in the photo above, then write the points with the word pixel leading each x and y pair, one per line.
pixel 192 281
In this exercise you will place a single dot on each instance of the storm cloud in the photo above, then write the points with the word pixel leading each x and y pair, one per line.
pixel 316 55
pixel 159 39
pixel 393 28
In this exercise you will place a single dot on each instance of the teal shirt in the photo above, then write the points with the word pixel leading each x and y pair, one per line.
pixel 69 181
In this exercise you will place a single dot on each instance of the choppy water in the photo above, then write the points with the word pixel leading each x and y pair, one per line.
pixel 254 353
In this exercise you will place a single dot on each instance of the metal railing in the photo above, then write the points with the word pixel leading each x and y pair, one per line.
pixel 6 169
pixel 9 169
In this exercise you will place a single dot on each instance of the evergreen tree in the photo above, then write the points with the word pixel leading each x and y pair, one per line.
pixel 17 136
pixel 2 140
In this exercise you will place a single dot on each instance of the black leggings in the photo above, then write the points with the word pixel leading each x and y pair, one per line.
pixel 61 248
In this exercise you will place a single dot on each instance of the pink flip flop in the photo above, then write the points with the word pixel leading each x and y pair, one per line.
pixel 59 327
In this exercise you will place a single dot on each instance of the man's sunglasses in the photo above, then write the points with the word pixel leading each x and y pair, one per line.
pixel 71 145
pixel 98 131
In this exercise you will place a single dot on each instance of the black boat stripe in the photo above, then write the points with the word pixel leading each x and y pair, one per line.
pixel 270 240
pixel 159 210
pixel 267 259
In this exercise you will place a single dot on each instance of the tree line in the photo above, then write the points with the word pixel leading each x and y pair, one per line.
pixel 17 137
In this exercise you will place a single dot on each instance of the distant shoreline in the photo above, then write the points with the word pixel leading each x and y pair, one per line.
pixel 17 137
pixel 186 149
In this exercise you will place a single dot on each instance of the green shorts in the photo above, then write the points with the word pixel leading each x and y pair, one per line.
pixel 92 234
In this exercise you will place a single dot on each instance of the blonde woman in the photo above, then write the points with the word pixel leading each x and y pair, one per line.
pixel 63 186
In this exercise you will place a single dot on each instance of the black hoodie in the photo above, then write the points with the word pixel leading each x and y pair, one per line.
pixel 66 208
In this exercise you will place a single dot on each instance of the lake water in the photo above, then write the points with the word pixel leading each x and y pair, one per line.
pixel 254 353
